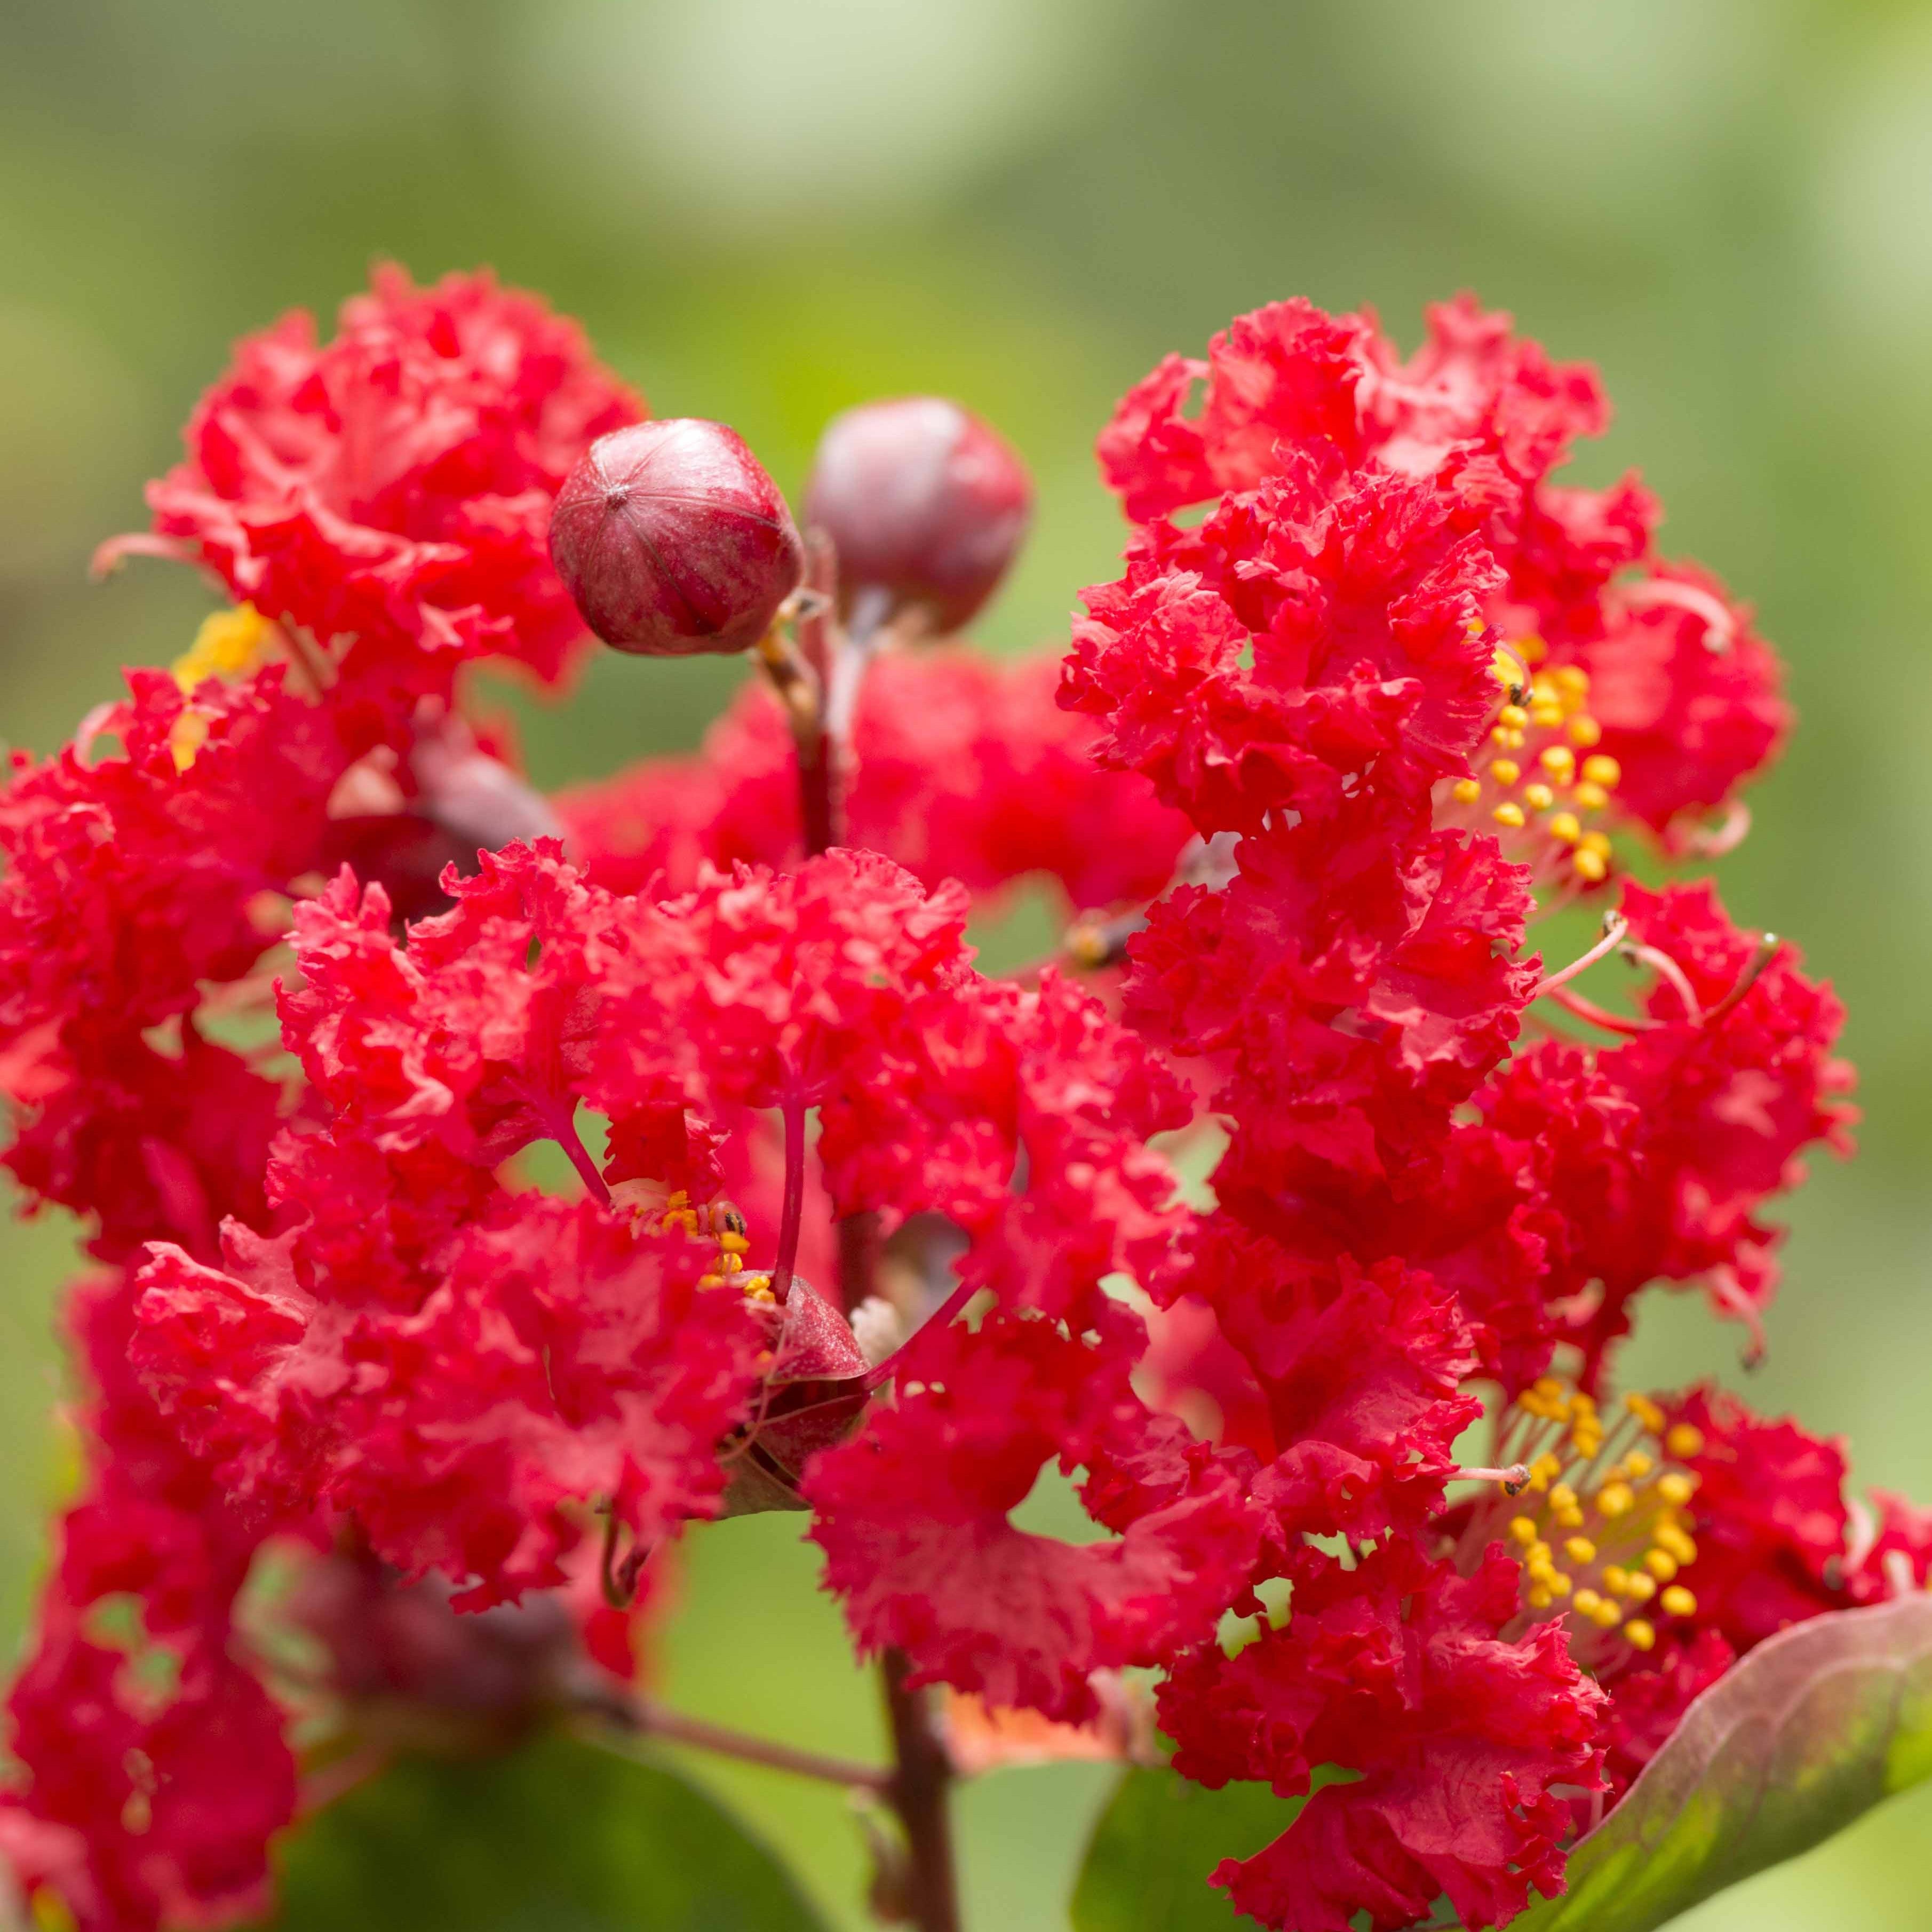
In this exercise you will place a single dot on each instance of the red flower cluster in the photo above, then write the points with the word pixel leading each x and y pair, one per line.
pixel 389 492
pixel 857 1230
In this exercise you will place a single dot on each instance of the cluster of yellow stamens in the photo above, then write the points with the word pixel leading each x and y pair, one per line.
pixel 715 1221
pixel 1545 774
pixel 1599 1527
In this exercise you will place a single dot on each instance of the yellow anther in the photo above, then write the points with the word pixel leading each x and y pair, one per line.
pixel 1564 829
pixel 1590 866
pixel 1670 1537
pixel 1641 1587
pixel 1544 716
pixel 1508 813
pixel 1514 741
pixel 711 1281
pixel 1571 1518
pixel 1587 1437
pixel 1559 761
pixel 1678 1602
pixel 1580 1549
pixel 1505 771
pixel 1600 768
pixel 187 736
pixel 1660 1564
pixel 1505 669
pixel 1532 650
pixel 1615 1499
pixel 1587 1601
pixel 1616 1580
pixel 1646 1411
pixel 1501 734
pixel 1538 1555
pixel 1563 1497
pixel 1548 1467
pixel 1538 797
pixel 1573 678
pixel 229 641
pixel 1584 1404
pixel 1636 1465
pixel 1590 796
pixel 734 1244
pixel 1466 791
pixel 1513 715
pixel 1685 1440
pixel 1641 1634
pixel 1560 1584
pixel 1607 1615
pixel 1598 842
pixel 1676 1488
pixel 1584 731
pixel 1540 1599
pixel 1549 1388
pixel 1522 1529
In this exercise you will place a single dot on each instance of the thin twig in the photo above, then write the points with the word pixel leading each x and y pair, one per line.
pixel 922 1778
pixel 649 1718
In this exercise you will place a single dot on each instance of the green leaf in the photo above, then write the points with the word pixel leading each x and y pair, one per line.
pixel 1819 1724
pixel 1146 1869
pixel 558 1837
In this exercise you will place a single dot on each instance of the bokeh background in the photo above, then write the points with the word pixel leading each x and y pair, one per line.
pixel 765 210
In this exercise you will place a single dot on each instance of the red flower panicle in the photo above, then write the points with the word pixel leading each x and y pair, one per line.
pixel 1393 692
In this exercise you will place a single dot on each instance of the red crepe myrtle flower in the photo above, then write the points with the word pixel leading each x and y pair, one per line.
pixel 391 488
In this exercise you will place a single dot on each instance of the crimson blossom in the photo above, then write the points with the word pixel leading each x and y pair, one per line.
pixel 298 980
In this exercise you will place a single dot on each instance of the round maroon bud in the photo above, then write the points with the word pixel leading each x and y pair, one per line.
pixel 926 505
pixel 672 540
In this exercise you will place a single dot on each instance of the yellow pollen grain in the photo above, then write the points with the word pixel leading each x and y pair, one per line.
pixel 1560 1584
pixel 1590 866
pixel 1562 1497
pixel 1502 735
pixel 1467 791
pixel 1596 842
pixel 1538 797
pixel 1505 771
pixel 1513 715
pixel 1600 768
pixel 1607 1615
pixel 1571 678
pixel 1584 731
pixel 1590 796
pixel 1672 1539
pixel 734 1244
pixel 1559 761
pixel 1522 1529
pixel 1540 1599
pixel 1538 1555
pixel 1640 1588
pixel 1587 1601
pixel 1616 1580
pixel 1685 1440
pixel 1580 1549
pixel 1533 650
pixel 1661 1565
pixel 1508 813
pixel 1676 1488
pixel 1636 1465
pixel 1678 1602
pixel 1545 716
pixel 1615 1499
pixel 1641 1634
pixel 1564 829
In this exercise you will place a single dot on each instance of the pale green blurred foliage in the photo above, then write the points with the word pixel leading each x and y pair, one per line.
pixel 766 209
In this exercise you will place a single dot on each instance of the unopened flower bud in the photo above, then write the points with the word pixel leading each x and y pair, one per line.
pixel 672 540
pixel 925 505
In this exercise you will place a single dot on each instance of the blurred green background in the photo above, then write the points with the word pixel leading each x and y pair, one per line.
pixel 765 210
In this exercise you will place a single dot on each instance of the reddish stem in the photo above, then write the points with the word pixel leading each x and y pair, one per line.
pixel 858 1256
pixel 563 1131
pixel 647 1716
pixel 792 1215
pixel 917 1791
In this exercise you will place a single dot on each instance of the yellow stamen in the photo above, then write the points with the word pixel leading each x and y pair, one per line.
pixel 1586 1601
pixel 1581 1549
pixel 1590 866
pixel 1601 769
pixel 1522 1529
pixel 228 642
pixel 1615 1499
pixel 1678 1602
pixel 1573 678
pixel 1467 791
pixel 1636 1465
pixel 1584 731
pixel 1685 1440
pixel 1661 1565
pixel 1505 771
pixel 1641 1634
pixel 1591 796
pixel 1513 715
pixel 1559 761
pixel 1564 828
pixel 1538 797
pixel 1508 813
pixel 1607 1615
pixel 1646 1411
pixel 1676 1489
pixel 186 736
